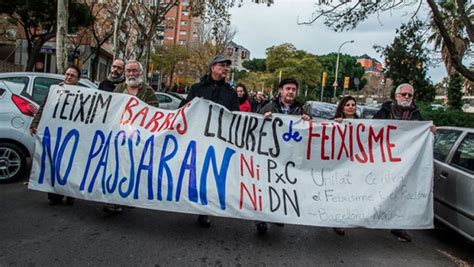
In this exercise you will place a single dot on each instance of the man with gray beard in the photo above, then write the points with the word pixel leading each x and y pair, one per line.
pixel 403 108
pixel 115 76
pixel 135 86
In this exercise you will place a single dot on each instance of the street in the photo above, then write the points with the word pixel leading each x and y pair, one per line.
pixel 32 233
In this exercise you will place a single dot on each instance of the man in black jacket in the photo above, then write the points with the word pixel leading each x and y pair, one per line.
pixel 213 87
pixel 115 76
pixel 285 103
pixel 403 108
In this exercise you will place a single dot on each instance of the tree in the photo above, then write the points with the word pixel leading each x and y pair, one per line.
pixel 38 21
pixel 406 60
pixel 255 64
pixel 348 67
pixel 286 60
pixel 346 15
pixel 454 92
pixel 61 36
pixel 454 27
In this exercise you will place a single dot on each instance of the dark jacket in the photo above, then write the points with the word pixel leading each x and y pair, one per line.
pixel 257 106
pixel 389 111
pixel 219 92
pixel 109 86
pixel 276 107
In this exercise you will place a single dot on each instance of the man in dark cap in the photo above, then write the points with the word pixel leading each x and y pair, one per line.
pixel 213 87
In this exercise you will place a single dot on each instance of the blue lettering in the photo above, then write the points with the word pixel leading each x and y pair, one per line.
pixel 122 193
pixel 149 145
pixel 191 166
pixel 111 188
pixel 164 166
pixel 220 176
pixel 73 133
pixel 46 143
pixel 92 154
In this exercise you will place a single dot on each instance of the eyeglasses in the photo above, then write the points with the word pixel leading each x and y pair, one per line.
pixel 132 70
pixel 405 94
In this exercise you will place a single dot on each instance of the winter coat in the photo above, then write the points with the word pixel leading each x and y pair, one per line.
pixel 388 112
pixel 276 107
pixel 219 92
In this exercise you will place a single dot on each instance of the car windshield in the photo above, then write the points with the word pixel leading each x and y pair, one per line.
pixel 321 110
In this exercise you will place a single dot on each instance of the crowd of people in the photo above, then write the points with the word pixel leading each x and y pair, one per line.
pixel 126 78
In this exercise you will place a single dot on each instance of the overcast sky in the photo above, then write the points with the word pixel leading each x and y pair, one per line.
pixel 259 27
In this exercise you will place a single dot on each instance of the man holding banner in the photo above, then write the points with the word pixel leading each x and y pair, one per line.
pixel 403 108
pixel 285 103
pixel 133 85
pixel 214 87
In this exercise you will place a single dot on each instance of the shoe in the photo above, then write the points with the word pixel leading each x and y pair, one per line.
pixel 339 231
pixel 112 209
pixel 54 202
pixel 204 221
pixel 402 235
pixel 262 228
pixel 70 201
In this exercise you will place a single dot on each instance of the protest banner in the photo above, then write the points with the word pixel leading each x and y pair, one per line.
pixel 203 159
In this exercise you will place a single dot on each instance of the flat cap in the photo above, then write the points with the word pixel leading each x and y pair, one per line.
pixel 219 59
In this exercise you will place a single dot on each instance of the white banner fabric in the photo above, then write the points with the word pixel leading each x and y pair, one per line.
pixel 203 159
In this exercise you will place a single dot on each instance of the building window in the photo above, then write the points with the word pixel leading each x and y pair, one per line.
pixel 185 3
pixel 182 33
pixel 169 38
pixel 182 42
pixel 185 13
pixel 184 22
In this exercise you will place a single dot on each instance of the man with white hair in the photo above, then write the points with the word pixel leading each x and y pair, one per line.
pixel 135 86
pixel 403 108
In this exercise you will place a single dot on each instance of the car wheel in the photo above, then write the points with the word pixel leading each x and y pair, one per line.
pixel 12 162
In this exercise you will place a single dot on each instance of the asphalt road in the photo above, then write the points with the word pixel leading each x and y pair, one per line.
pixel 32 233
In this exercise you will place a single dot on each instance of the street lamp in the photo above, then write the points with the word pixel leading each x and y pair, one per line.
pixel 337 66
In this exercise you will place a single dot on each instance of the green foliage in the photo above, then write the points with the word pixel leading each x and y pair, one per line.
pixel 255 64
pixel 454 92
pixel 348 66
pixel 407 59
pixel 456 118
pixel 298 64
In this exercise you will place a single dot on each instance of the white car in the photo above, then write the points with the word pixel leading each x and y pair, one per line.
pixel 16 142
pixel 37 84
pixel 169 100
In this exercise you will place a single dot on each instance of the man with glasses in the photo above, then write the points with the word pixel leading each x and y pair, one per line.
pixel 403 108
pixel 213 87
pixel 115 76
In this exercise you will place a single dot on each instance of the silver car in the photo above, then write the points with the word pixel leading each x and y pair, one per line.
pixel 169 100
pixel 16 143
pixel 454 179
pixel 37 84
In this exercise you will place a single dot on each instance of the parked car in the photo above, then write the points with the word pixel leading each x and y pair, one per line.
pixel 169 100
pixel 37 84
pixel 437 107
pixel 454 179
pixel 321 110
pixel 366 112
pixel 16 142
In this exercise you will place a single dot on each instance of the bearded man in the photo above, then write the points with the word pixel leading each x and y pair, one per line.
pixel 115 76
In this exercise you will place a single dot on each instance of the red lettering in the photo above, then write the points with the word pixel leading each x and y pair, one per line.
pixel 132 102
pixel 155 121
pixel 143 112
pixel 310 139
pixel 181 111
pixel 375 138
pixel 342 135
pixel 252 197
pixel 360 128
pixel 166 122
pixel 250 168
pixel 324 137
pixel 390 145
